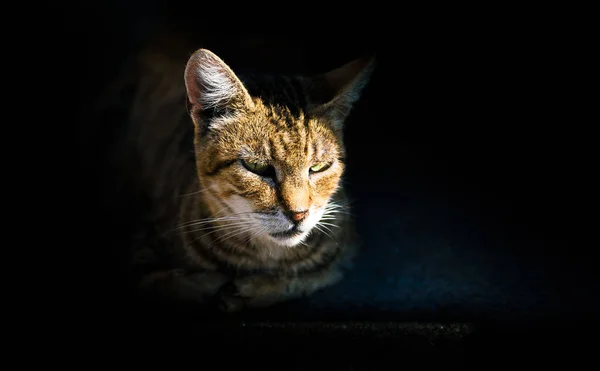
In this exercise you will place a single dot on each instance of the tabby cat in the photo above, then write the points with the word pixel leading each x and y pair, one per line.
pixel 247 202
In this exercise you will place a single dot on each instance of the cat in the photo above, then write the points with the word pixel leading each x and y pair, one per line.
pixel 243 178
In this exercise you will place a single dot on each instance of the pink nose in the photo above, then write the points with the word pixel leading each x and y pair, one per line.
pixel 298 216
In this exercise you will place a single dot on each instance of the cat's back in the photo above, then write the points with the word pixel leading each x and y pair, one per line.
pixel 158 110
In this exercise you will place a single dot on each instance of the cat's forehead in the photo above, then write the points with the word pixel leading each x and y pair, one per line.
pixel 297 132
pixel 283 118
pixel 275 132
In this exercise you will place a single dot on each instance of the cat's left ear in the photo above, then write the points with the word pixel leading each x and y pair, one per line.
pixel 342 87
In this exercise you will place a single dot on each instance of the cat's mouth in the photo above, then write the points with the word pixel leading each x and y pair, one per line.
pixel 292 232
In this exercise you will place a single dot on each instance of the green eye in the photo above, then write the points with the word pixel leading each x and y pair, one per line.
pixel 259 168
pixel 319 167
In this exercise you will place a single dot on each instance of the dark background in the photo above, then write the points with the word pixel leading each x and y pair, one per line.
pixel 470 162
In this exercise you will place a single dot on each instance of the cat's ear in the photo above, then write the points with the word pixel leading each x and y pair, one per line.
pixel 342 87
pixel 212 87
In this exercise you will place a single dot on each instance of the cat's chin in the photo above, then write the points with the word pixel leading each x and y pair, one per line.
pixel 287 241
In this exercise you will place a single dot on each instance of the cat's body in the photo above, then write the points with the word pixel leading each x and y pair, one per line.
pixel 244 185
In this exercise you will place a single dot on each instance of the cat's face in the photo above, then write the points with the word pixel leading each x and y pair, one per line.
pixel 268 168
pixel 276 176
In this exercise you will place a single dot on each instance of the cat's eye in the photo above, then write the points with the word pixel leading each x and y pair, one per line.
pixel 318 167
pixel 259 168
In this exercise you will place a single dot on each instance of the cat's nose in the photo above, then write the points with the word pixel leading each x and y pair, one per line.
pixel 297 216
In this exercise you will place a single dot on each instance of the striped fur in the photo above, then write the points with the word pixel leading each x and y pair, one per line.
pixel 219 225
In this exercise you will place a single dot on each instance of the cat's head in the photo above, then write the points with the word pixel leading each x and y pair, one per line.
pixel 269 151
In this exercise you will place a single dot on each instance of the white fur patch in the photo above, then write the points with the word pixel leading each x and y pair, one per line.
pixel 259 227
pixel 218 86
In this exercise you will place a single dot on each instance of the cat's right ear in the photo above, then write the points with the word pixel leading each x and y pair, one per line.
pixel 212 87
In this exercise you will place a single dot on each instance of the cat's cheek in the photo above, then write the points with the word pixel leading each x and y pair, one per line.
pixel 269 201
pixel 239 204
pixel 258 197
pixel 262 195
pixel 325 186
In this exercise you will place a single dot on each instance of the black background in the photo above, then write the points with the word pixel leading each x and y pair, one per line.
pixel 471 160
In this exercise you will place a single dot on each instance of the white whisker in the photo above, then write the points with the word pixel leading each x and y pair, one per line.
pixel 217 228
pixel 196 192
pixel 256 233
pixel 330 224
pixel 236 229
pixel 322 230
pixel 230 235
pixel 209 220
